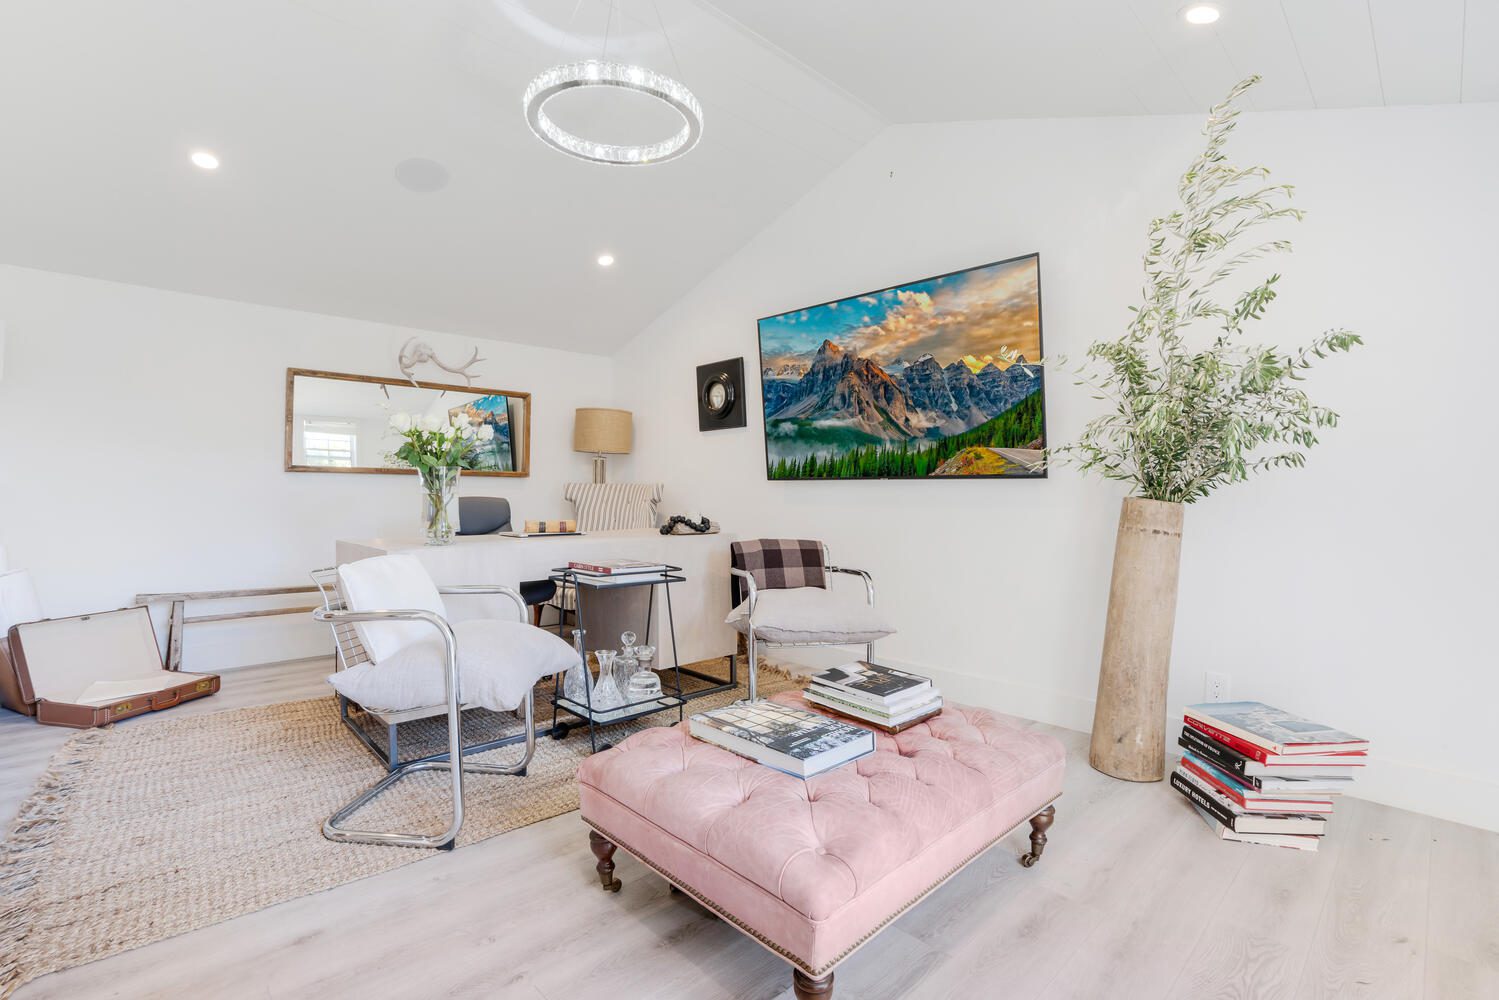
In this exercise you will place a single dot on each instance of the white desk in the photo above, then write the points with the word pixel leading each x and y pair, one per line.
pixel 698 606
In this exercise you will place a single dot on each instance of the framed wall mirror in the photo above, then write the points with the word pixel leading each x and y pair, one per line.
pixel 341 423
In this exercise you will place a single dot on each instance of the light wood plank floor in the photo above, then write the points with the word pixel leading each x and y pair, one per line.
pixel 1133 899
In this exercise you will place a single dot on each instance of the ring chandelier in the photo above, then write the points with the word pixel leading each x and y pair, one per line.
pixel 600 73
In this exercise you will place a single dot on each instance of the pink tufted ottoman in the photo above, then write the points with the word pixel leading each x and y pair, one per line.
pixel 813 869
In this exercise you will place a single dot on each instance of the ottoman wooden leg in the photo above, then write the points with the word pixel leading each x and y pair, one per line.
pixel 604 850
pixel 808 988
pixel 1040 823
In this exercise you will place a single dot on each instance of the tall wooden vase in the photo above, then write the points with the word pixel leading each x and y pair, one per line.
pixel 1129 719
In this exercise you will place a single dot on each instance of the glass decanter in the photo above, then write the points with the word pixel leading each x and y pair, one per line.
pixel 643 683
pixel 624 668
pixel 607 695
pixel 576 682
pixel 626 664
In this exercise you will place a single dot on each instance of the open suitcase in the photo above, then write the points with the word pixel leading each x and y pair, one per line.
pixel 91 670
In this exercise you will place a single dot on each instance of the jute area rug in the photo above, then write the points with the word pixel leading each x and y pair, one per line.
pixel 144 832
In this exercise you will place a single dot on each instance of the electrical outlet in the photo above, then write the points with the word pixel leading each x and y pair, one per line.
pixel 1214 687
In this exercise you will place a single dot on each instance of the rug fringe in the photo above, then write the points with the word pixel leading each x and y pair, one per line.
pixel 788 672
pixel 30 837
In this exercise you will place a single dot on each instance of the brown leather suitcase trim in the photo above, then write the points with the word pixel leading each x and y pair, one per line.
pixel 10 683
pixel 16 690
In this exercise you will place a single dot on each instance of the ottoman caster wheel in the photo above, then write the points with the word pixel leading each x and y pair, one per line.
pixel 559 731
pixel 1040 823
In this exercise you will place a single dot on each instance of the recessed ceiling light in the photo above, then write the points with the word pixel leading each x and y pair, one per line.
pixel 606 259
pixel 1201 13
pixel 203 158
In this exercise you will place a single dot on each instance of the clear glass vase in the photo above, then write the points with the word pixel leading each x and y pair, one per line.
pixel 643 684
pixel 440 503
pixel 577 682
pixel 607 695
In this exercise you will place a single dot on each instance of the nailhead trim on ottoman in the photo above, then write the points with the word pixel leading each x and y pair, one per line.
pixel 813 869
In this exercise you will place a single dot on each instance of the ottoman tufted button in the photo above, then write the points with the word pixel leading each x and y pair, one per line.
pixel 822 850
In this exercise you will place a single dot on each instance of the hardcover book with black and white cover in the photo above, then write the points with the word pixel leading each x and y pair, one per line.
pixel 872 683
pixel 1235 818
pixel 1326 767
pixel 793 740
pixel 885 721
pixel 1295 841
pixel 1252 799
pixel 1275 730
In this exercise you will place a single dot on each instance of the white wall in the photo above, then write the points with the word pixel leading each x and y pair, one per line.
pixel 1358 590
pixel 141 448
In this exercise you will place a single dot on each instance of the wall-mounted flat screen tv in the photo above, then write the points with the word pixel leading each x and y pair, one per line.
pixel 938 378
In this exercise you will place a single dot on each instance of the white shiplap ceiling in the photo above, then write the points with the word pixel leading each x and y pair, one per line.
pixel 311 104
pixel 951 61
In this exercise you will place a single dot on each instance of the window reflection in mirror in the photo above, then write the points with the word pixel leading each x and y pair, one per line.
pixel 341 423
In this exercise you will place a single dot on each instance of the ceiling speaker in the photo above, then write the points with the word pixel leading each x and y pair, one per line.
pixel 720 395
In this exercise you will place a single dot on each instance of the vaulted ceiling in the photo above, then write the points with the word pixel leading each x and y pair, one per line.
pixel 312 104
pixel 961 61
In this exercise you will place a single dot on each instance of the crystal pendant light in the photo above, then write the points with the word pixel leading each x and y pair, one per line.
pixel 603 72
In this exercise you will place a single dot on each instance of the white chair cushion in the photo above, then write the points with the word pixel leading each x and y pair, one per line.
pixel 498 662
pixel 390 583
pixel 811 614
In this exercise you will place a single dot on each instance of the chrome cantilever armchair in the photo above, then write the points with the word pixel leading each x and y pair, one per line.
pixel 342 621
pixel 753 596
pixel 351 653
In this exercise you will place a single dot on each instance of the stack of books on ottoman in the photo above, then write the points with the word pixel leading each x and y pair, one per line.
pixel 787 738
pixel 1260 775
pixel 888 699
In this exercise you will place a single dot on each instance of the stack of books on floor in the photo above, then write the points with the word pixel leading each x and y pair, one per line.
pixel 888 699
pixel 1260 775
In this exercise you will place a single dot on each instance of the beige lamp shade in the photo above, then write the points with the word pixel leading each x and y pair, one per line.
pixel 602 431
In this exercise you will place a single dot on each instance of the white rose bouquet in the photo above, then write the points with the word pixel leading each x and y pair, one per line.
pixel 433 442
pixel 437 449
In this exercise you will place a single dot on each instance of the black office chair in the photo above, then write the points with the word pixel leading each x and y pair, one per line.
pixel 487 515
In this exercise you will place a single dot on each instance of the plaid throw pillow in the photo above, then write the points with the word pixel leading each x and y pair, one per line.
pixel 780 563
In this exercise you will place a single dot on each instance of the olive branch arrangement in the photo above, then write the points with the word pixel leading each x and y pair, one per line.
pixel 1186 421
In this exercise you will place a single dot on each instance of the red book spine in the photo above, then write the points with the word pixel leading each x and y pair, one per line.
pixel 1233 793
pixel 1262 802
pixel 1227 739
pixel 591 568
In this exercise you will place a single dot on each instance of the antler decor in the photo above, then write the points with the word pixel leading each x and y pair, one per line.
pixel 417 352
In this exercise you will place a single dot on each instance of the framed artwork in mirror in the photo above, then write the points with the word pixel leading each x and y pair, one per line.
pixel 337 422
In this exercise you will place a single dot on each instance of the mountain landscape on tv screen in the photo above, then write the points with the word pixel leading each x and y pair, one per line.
pixel 930 379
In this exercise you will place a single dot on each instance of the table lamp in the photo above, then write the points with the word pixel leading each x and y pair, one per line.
pixel 602 432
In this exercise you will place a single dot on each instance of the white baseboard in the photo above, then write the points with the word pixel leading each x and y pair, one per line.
pixel 1461 798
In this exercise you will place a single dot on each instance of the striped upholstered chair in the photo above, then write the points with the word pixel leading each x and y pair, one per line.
pixel 608 507
pixel 614 506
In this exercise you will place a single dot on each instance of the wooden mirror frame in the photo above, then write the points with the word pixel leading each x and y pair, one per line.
pixel 523 446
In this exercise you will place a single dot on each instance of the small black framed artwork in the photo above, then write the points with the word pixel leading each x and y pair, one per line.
pixel 720 395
